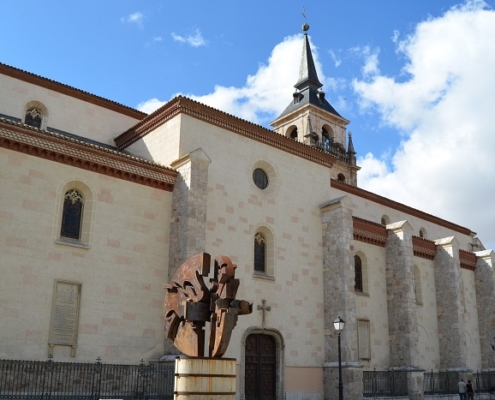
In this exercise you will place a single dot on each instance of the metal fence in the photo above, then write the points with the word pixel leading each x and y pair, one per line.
pixel 384 383
pixel 40 380
pixel 446 382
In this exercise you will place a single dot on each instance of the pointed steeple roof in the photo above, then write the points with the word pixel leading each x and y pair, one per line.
pixel 307 70
pixel 350 145
pixel 308 85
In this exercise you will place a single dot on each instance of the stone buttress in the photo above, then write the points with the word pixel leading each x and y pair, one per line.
pixel 339 299
pixel 401 300
pixel 401 305
pixel 450 309
pixel 188 220
pixel 188 217
pixel 485 298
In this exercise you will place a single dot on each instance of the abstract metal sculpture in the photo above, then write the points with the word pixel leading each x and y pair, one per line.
pixel 189 304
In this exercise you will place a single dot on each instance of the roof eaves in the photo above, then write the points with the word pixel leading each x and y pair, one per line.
pixel 70 91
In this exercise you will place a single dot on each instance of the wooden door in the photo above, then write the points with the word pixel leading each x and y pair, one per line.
pixel 260 367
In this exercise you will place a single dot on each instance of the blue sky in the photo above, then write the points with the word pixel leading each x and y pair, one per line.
pixel 414 77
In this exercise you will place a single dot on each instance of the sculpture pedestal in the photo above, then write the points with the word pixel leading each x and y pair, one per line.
pixel 204 378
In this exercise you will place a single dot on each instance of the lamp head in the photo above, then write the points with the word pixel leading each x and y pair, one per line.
pixel 339 324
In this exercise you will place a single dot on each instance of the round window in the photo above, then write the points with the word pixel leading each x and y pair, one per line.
pixel 260 178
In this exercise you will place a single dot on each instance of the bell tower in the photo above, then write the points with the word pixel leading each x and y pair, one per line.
pixel 312 120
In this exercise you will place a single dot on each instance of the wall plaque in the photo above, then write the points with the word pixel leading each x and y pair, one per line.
pixel 65 316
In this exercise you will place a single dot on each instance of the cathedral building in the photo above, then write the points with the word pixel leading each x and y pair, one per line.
pixel 101 203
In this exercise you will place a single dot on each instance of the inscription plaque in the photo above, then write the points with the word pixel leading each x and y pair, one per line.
pixel 65 316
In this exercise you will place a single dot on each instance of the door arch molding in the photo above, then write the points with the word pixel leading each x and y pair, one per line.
pixel 280 359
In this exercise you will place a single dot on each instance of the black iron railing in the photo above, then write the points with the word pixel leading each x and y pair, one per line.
pixel 40 380
pixel 384 383
pixel 446 382
pixel 484 382
pixel 440 382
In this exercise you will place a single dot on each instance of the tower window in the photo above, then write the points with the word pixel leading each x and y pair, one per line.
pixel 259 252
pixel 341 177
pixel 33 117
pixel 72 215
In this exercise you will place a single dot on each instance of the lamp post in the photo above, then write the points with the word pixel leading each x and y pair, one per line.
pixel 339 327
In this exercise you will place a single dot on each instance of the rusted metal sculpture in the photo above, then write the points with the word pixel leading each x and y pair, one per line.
pixel 189 304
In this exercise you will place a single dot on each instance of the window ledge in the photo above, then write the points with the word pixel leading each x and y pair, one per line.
pixel 65 242
pixel 365 294
pixel 263 276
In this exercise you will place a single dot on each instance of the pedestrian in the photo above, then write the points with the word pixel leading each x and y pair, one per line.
pixel 462 389
pixel 470 390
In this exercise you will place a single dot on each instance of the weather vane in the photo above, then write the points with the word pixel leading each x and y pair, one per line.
pixel 305 27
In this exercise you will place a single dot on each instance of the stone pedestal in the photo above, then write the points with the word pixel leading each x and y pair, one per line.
pixel 204 378
pixel 352 380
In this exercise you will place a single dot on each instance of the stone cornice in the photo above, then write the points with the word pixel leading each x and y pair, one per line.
pixel 70 91
pixel 468 260
pixel 183 105
pixel 424 248
pixel 369 232
pixel 77 153
pixel 398 206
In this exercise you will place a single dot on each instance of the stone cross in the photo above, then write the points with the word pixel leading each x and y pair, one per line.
pixel 263 308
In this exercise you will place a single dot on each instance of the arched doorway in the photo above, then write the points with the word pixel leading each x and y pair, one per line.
pixel 262 373
pixel 261 367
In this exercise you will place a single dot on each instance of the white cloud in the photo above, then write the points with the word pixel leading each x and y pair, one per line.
pixel 157 39
pixel 134 18
pixel 266 93
pixel 194 40
pixel 150 105
pixel 336 60
pixel 395 36
pixel 443 105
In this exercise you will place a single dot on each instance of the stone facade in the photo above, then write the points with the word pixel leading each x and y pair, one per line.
pixel 160 188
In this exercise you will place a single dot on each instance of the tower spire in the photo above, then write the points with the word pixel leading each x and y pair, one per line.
pixel 307 70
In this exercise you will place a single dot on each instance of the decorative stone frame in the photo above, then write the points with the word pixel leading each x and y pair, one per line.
pixel 40 106
pixel 364 328
pixel 87 217
pixel 273 178
pixel 280 357
pixel 269 253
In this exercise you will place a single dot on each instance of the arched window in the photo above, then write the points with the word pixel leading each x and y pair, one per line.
pixel 417 286
pixel 341 177
pixel 326 139
pixel 292 132
pixel 422 233
pixel 72 215
pixel 33 117
pixel 358 274
pixel 260 253
pixel 385 220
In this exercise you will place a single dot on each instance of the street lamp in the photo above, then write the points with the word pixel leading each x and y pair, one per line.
pixel 339 327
